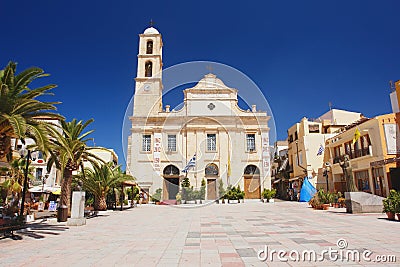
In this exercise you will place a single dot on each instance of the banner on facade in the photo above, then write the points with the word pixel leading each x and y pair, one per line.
pixel 157 153
pixel 392 136
pixel 265 155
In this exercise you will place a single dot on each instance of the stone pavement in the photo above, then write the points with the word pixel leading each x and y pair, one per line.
pixel 213 235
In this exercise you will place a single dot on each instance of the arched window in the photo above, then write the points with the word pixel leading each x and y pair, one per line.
pixel 148 69
pixel 149 47
pixel 171 170
pixel 251 170
pixel 211 169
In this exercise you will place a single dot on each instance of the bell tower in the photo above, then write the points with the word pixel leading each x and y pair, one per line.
pixel 148 88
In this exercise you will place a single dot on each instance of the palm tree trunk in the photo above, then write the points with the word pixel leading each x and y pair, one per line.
pixel 100 202
pixel 65 198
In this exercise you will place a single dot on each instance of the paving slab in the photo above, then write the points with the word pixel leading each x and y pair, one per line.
pixel 210 235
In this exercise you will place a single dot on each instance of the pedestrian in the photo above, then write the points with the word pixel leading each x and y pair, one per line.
pixel 140 198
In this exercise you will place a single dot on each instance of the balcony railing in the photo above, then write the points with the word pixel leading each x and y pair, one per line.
pixel 356 153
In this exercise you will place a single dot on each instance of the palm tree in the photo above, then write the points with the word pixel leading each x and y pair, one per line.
pixel 19 108
pixel 100 180
pixel 68 150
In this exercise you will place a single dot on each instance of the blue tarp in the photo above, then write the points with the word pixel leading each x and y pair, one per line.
pixel 307 191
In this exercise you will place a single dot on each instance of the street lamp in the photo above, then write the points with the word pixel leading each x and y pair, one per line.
pixel 325 173
pixel 24 153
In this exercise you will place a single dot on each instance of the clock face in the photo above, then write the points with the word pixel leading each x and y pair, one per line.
pixel 147 87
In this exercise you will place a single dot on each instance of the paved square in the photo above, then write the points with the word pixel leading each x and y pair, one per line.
pixel 213 235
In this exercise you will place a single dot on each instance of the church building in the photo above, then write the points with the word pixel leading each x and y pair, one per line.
pixel 210 137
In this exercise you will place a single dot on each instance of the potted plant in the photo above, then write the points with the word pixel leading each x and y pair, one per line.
pixel 314 202
pixel 197 196
pixel 388 208
pixel 391 204
pixel 239 194
pixel 156 197
pixel 268 194
pixel 342 202
pixel 324 199
pixel 185 185
pixel 178 198
pixel 232 195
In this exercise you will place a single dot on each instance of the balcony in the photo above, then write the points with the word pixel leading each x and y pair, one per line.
pixel 353 154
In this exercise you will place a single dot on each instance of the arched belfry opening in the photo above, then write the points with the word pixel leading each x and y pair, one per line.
pixel 148 69
pixel 149 47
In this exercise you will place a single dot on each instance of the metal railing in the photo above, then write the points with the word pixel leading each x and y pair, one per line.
pixel 356 153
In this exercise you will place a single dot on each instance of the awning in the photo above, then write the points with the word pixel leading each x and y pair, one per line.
pixel 277 181
pixel 129 183
pixel 57 192
pixel 45 189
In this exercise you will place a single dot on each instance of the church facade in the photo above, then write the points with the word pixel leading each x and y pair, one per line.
pixel 221 141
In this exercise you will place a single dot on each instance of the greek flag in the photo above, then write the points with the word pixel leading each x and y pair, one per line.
pixel 320 150
pixel 191 163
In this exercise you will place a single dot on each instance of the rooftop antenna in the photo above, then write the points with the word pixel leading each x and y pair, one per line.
pixel 151 23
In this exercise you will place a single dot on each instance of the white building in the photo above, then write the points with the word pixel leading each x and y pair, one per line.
pixel 105 154
pixel 43 179
pixel 210 125
pixel 306 139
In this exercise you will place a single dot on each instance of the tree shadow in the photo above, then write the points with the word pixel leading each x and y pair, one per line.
pixel 37 230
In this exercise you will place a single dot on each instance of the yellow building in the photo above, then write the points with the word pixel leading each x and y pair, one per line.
pixel 372 157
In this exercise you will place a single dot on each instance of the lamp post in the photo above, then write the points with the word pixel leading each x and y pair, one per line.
pixel 23 152
pixel 325 173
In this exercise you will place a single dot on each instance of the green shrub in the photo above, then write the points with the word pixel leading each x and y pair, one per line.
pixel 269 193
pixel 392 202
pixel 156 197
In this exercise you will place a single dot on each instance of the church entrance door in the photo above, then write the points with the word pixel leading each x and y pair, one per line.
pixel 171 182
pixel 252 186
pixel 171 188
pixel 211 189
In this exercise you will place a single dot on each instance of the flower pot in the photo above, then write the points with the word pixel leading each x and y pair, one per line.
pixel 233 201
pixel 390 215
pixel 325 206
pixel 272 200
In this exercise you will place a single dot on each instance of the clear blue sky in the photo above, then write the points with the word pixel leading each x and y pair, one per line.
pixel 302 54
